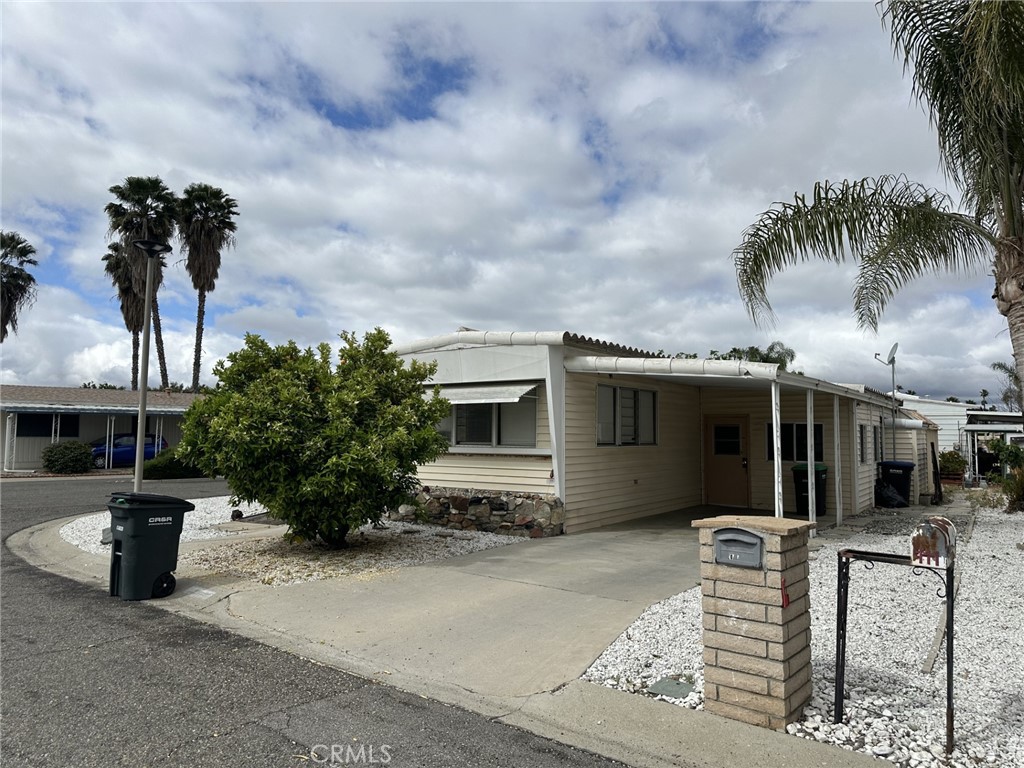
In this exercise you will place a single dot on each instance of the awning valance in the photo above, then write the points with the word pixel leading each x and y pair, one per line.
pixel 487 393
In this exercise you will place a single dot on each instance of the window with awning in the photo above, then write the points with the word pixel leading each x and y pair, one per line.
pixel 491 415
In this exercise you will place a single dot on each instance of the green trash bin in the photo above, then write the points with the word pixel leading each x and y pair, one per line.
pixel 145 529
pixel 802 494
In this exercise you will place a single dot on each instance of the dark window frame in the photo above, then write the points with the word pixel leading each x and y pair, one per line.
pixel 41 425
pixel 633 420
pixel 793 441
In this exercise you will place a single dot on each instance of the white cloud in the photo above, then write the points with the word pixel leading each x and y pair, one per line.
pixel 592 172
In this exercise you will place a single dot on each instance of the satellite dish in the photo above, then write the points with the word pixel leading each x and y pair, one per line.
pixel 892 354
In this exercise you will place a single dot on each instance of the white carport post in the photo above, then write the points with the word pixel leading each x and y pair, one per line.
pixel 108 455
pixel 158 437
pixel 837 459
pixel 12 440
pixel 812 512
pixel 777 447
pixel 555 383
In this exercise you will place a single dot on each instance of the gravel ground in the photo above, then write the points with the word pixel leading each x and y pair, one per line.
pixel 274 561
pixel 893 710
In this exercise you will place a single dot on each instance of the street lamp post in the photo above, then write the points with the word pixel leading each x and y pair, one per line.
pixel 153 251
pixel 891 362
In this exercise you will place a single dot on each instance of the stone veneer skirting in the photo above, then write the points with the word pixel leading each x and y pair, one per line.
pixel 512 513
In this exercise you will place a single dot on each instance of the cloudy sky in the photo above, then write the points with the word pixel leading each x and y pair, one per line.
pixel 583 166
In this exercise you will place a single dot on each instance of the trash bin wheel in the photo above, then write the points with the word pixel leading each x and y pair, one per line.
pixel 164 585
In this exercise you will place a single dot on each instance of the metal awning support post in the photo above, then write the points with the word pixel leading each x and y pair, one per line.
pixel 837 459
pixel 777 447
pixel 108 457
pixel 12 440
pixel 812 472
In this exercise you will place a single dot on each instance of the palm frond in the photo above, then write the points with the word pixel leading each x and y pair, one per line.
pixel 897 229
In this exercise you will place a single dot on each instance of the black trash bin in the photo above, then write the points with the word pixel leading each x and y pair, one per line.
pixel 145 529
pixel 897 475
pixel 800 484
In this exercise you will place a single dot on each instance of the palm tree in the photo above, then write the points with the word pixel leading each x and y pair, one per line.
pixel 119 269
pixel 205 228
pixel 1012 396
pixel 17 286
pixel 967 63
pixel 145 209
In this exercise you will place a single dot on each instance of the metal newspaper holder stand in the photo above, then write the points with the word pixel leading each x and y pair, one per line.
pixel 933 548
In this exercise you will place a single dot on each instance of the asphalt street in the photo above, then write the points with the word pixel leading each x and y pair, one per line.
pixel 90 680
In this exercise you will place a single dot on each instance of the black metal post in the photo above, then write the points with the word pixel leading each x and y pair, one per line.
pixel 842 598
pixel 950 596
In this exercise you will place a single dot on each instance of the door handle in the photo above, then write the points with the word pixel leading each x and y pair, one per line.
pixel 744 462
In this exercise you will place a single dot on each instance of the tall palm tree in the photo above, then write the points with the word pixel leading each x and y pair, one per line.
pixel 145 209
pixel 205 228
pixel 967 63
pixel 119 269
pixel 17 286
pixel 1012 395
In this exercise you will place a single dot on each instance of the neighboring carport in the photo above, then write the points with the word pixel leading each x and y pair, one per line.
pixel 33 417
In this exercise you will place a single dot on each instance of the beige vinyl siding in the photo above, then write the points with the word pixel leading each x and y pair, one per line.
pixel 609 484
pixel 869 416
pixel 757 404
pixel 543 428
pixel 912 445
pixel 506 471
pixel 490 472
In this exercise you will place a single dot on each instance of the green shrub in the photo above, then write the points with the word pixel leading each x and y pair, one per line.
pixel 167 466
pixel 1013 490
pixel 324 448
pixel 952 463
pixel 68 458
pixel 1009 455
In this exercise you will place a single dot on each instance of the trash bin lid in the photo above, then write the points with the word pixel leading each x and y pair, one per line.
pixel 137 499
pixel 897 464
pixel 802 467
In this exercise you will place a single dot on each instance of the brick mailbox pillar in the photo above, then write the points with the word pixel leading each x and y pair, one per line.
pixel 757 621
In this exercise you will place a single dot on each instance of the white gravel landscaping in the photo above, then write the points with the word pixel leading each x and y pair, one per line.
pixel 893 710
pixel 274 561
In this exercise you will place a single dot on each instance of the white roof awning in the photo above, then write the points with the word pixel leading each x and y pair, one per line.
pixel 487 393
pixel 993 428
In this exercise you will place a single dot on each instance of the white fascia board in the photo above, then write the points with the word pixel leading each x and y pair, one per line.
pixel 472 365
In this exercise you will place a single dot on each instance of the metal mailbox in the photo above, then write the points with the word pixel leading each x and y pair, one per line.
pixel 934 543
pixel 738 548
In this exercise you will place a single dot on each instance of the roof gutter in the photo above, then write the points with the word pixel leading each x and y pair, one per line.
pixel 672 366
pixel 484 338
pixel 176 410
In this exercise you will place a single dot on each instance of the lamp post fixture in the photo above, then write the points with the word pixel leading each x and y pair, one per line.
pixel 891 362
pixel 153 251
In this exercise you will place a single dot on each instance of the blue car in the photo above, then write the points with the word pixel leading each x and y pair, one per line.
pixel 123 454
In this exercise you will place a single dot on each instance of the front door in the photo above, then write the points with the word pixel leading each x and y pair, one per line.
pixel 726 454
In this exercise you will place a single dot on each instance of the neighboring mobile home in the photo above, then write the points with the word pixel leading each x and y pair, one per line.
pixel 552 432
pixel 33 417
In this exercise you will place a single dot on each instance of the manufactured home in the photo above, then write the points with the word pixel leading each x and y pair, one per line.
pixel 555 432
